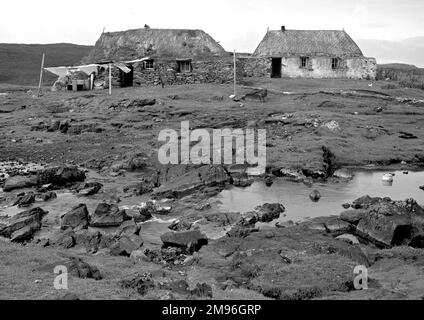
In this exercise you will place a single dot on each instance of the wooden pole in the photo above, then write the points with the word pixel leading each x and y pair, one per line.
pixel 110 78
pixel 41 76
pixel 235 74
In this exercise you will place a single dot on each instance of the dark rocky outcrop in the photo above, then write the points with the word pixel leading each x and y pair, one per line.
pixel 108 215
pixel 77 218
pixel 19 182
pixel 126 244
pixel 23 225
pixel 89 188
pixel 178 181
pixel 188 240
pixel 25 200
pixel 75 267
pixel 60 175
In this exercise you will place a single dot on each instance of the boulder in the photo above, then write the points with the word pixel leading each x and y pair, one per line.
pixel 353 216
pixel 179 181
pixel 81 269
pixel 89 188
pixel 333 225
pixel 29 221
pixel 65 239
pixel 315 196
pixel 349 238
pixel 202 290
pixel 47 196
pixel 140 282
pixel 25 233
pixel 126 244
pixel 128 227
pixel 77 218
pixel 385 231
pixel 108 215
pixel 269 211
pixel 26 200
pixel 19 182
pixel 61 175
pixel 364 202
pixel 187 240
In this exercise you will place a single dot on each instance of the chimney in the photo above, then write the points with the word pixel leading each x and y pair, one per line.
pixel 283 28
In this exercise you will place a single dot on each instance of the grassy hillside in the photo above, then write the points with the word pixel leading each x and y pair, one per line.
pixel 408 75
pixel 20 63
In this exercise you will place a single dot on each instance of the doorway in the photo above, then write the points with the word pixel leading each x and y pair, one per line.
pixel 127 78
pixel 276 68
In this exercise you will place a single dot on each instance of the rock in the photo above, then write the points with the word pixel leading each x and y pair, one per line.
pixel 349 238
pixel 60 175
pixel 92 241
pixel 179 181
pixel 47 196
pixel 149 208
pixel 89 188
pixel 417 241
pixel 258 94
pixel 241 180
pixel 269 211
pixel 353 216
pixel 364 202
pixel 25 233
pixel 385 231
pixel 422 187
pixel 128 227
pixel 19 182
pixel 65 239
pixel 239 231
pixel 141 282
pixel 78 268
pixel 29 221
pixel 269 181
pixel 346 205
pixel 126 245
pixel 137 256
pixel 188 240
pixel 286 224
pixel 77 218
pixel 108 215
pixel 131 161
pixel 315 196
pixel 25 200
pixel 202 290
pixel 333 225
pixel 64 126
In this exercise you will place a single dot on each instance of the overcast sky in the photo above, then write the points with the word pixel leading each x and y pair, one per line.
pixel 236 24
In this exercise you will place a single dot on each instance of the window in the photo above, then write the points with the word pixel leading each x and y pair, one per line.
pixel 335 63
pixel 184 65
pixel 148 64
pixel 304 62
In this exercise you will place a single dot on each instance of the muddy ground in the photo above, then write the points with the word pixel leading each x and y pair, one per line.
pixel 314 127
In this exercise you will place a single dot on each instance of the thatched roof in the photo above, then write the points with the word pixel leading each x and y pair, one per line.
pixel 138 43
pixel 307 42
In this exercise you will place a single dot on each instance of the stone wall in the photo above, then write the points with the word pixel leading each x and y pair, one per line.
pixel 213 70
pixel 319 67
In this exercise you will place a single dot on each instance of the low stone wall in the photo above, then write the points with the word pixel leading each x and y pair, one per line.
pixel 256 67
pixel 213 70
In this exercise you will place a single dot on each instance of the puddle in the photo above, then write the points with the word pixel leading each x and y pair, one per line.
pixel 295 196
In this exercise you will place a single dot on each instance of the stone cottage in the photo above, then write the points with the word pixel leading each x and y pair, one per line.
pixel 170 56
pixel 309 54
